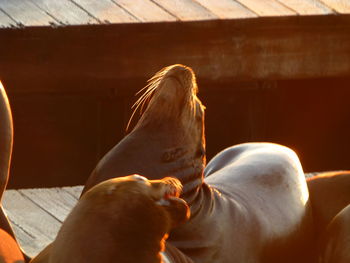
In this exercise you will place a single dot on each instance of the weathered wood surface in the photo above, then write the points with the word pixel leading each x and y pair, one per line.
pixel 37 214
pixel 217 50
pixel 71 12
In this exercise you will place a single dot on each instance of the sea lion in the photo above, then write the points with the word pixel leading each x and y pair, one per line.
pixel 329 194
pixel 335 244
pixel 169 138
pixel 9 248
pixel 253 204
pixel 124 220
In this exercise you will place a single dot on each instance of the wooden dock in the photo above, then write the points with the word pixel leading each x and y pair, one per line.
pixel 37 214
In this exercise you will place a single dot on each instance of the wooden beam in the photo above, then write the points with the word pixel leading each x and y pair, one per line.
pixel 146 10
pixel 341 6
pixel 106 11
pixel 267 7
pixel 218 50
pixel 307 7
pixel 26 13
pixel 65 12
pixel 5 20
pixel 227 9
pixel 186 10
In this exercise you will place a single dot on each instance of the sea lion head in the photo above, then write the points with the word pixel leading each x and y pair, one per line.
pixel 125 219
pixel 174 116
pixel 151 197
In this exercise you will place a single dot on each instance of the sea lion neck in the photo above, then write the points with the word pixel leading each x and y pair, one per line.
pixel 6 138
pixel 153 155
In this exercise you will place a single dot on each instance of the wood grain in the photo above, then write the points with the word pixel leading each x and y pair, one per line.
pixel 246 49
pixel 5 20
pixel 227 9
pixel 307 7
pixel 74 191
pixel 106 11
pixel 341 6
pixel 37 214
pixel 267 7
pixel 145 10
pixel 26 13
pixel 186 10
pixel 40 227
pixel 65 12
pixel 55 201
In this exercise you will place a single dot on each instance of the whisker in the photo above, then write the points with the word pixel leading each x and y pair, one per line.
pixel 148 91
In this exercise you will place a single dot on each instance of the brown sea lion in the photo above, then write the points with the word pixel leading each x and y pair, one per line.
pixel 329 194
pixel 253 204
pixel 124 220
pixel 335 244
pixel 9 248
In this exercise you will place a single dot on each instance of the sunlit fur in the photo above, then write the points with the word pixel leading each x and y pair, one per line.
pixel 121 221
pixel 168 139
pixel 187 80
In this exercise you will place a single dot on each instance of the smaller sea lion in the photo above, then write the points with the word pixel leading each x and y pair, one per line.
pixel 122 220
pixel 335 244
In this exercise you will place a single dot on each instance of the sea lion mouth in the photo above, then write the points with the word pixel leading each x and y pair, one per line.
pixel 167 195
pixel 166 189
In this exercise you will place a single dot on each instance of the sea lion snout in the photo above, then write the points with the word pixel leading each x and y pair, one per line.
pixel 166 188
pixel 166 194
pixel 183 74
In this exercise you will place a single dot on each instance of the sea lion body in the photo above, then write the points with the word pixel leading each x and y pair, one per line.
pixel 9 248
pixel 252 205
pixel 122 220
pixel 335 243
pixel 329 194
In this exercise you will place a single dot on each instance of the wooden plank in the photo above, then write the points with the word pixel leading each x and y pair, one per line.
pixel 186 10
pixel 145 10
pixel 55 201
pixel 26 13
pixel 307 7
pixel 65 12
pixel 74 190
pixel 244 49
pixel 341 6
pixel 27 241
pixel 41 227
pixel 267 7
pixel 227 9
pixel 5 20
pixel 106 11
